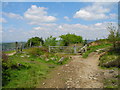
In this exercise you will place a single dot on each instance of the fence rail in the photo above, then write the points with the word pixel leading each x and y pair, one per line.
pixel 67 49
pixel 60 49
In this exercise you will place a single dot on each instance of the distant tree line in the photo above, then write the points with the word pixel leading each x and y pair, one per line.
pixel 64 40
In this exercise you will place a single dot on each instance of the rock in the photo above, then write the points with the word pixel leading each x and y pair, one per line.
pixel 111 71
pixel 22 56
pixel 70 78
pixel 53 59
pixel 47 59
pixel 66 65
pixel 77 81
pixel 94 78
pixel 43 83
pixel 28 55
pixel 58 73
pixel 61 60
pixel 68 86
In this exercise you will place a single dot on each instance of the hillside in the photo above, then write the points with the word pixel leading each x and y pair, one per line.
pixel 11 45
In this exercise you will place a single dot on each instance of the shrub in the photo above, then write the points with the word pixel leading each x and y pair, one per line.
pixel 5 69
pixel 4 57
pixel 35 51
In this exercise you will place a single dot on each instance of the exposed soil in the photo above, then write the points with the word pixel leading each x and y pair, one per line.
pixel 78 73
pixel 10 54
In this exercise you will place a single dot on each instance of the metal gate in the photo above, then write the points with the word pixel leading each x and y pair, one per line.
pixel 64 49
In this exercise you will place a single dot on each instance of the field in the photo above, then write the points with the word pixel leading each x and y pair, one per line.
pixel 28 68
pixel 33 66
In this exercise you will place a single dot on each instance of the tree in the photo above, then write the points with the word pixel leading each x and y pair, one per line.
pixel 50 41
pixel 85 42
pixel 114 35
pixel 70 39
pixel 34 41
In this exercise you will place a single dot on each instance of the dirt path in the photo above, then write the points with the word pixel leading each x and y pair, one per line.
pixel 79 73
pixel 10 54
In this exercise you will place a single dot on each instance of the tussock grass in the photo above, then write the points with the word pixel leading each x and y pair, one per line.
pixel 27 69
pixel 94 48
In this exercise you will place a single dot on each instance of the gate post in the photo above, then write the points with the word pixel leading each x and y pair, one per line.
pixel 75 49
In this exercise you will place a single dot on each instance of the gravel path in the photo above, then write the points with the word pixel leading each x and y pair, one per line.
pixel 78 73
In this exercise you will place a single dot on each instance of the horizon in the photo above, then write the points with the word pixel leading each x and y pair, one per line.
pixel 23 20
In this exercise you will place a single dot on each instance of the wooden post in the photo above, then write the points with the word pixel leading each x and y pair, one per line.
pixel 75 49
pixel 21 47
pixel 86 48
pixel 16 45
pixel 40 44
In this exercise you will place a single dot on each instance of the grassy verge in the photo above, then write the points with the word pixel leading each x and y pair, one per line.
pixel 111 56
pixel 7 52
pixel 27 69
pixel 108 58
pixel 111 83
pixel 94 48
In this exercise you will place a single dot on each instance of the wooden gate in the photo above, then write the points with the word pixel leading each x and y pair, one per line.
pixel 67 49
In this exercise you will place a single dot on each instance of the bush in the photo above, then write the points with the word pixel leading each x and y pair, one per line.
pixel 4 57
pixel 50 41
pixel 35 51
pixel 70 39
pixel 34 41
pixel 5 69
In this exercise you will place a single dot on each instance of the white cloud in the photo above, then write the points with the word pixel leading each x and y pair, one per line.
pixel 113 15
pixel 98 24
pixel 93 31
pixel 3 20
pixel 13 15
pixel 38 15
pixel 95 12
pixel 39 28
pixel 66 18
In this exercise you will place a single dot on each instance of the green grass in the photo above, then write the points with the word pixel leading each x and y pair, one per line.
pixel 94 48
pixel 111 83
pixel 108 58
pixel 110 68
pixel 32 69
pixel 111 55
pixel 7 52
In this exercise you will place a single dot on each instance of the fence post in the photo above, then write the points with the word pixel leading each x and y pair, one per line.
pixel 40 44
pixel 16 44
pixel 21 47
pixel 75 49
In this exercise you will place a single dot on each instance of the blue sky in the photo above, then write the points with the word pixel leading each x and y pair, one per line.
pixel 23 20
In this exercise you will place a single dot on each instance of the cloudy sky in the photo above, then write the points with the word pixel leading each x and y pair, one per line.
pixel 23 20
